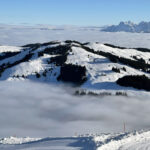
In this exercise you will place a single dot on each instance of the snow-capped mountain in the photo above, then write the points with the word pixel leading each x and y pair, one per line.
pixel 129 27
pixel 90 66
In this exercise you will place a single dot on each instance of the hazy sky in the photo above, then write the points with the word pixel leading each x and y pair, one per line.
pixel 74 12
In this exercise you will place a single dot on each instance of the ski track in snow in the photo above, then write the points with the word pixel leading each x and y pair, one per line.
pixel 123 141
pixel 127 141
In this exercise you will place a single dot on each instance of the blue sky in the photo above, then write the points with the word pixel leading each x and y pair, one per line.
pixel 73 12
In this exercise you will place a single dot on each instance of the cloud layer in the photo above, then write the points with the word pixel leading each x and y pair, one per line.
pixel 21 35
pixel 40 110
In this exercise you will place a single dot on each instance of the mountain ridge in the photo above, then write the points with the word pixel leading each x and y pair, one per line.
pixel 142 27
pixel 90 66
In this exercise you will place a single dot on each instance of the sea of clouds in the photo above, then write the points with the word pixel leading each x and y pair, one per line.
pixel 19 35
pixel 42 110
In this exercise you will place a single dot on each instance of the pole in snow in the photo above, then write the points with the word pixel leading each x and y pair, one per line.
pixel 124 127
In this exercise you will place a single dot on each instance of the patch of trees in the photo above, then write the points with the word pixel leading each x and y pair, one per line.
pixel 37 75
pixel 50 43
pixel 59 60
pixel 137 64
pixel 136 81
pixel 44 73
pixel 92 93
pixel 139 59
pixel 8 65
pixel 85 43
pixel 38 45
pixel 32 45
pixel 143 49
pixel 58 50
pixel 41 44
pixel 113 46
pixel 138 49
pixel 116 70
pixel 7 55
pixel 73 41
pixel 61 51
pixel 19 76
pixel 124 69
pixel 70 42
pixel 73 74
pixel 121 93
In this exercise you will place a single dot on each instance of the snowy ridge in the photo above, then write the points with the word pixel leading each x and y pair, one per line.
pixel 126 53
pixel 104 63
pixel 10 49
pixel 126 141
pixel 129 27
pixel 15 140
pixel 123 141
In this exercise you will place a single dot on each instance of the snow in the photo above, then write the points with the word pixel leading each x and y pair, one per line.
pixel 126 53
pixel 121 141
pixel 10 49
pixel 129 27
pixel 29 68
pixel 15 140
pixel 126 141
pixel 66 143
pixel 99 68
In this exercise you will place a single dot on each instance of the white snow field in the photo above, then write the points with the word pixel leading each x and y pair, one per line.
pixel 10 49
pixel 126 141
pixel 123 141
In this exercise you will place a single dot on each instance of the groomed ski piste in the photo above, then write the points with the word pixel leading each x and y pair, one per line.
pixel 123 141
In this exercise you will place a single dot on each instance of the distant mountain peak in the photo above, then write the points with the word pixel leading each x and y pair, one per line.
pixel 129 26
pixel 126 23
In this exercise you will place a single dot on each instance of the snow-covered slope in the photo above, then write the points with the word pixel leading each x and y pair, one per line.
pixel 9 49
pixel 93 66
pixel 123 141
pixel 129 27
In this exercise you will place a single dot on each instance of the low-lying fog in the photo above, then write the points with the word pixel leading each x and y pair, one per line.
pixel 40 110
pixel 21 35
